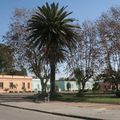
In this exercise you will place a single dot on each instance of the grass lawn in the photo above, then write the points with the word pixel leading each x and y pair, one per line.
pixel 93 99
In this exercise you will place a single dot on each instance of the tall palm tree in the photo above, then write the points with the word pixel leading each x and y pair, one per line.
pixel 51 31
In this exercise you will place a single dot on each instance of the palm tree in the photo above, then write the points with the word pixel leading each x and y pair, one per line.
pixel 51 31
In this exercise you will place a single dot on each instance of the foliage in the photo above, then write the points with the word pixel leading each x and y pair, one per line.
pixel 38 67
pixel 82 61
pixel 16 35
pixel 88 99
pixel 52 33
pixel 7 62
pixel 6 58
pixel 13 71
pixel 118 93
pixel 109 33
pixel 24 55
pixel 80 93
pixel 23 88
pixel 111 76
pixel 48 37
pixel 68 86
pixel 78 75
pixel 96 87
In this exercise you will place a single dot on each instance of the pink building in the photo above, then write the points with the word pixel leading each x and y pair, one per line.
pixel 9 83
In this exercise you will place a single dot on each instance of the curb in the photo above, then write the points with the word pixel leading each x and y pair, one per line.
pixel 53 113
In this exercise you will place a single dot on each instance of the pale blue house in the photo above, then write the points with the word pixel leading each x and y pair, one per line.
pixel 62 85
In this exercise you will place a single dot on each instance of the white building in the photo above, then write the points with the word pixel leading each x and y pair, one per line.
pixel 36 85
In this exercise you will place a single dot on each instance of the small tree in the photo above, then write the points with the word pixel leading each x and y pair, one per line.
pixel 82 77
pixel 38 67
pixel 96 87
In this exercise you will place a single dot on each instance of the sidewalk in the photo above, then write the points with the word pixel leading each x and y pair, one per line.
pixel 78 110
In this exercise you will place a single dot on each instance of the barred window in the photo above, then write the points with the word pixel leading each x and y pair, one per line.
pixel 23 85
pixel 11 85
pixel 1 85
pixel 28 85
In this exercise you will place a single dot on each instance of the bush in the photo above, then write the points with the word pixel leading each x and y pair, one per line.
pixel 6 89
pixel 80 94
pixel 118 93
pixel 56 95
pixel 10 91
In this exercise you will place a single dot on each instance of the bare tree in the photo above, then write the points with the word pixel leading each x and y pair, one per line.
pixel 109 33
pixel 24 55
pixel 83 59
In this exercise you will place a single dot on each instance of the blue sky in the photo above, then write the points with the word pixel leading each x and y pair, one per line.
pixel 82 9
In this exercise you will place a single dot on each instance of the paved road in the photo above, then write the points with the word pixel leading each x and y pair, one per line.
pixel 7 113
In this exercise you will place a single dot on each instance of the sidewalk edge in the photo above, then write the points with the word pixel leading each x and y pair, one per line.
pixel 53 113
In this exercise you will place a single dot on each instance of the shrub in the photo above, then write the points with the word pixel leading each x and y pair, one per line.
pixel 10 91
pixel 6 89
pixel 80 94
pixel 55 95
pixel 118 93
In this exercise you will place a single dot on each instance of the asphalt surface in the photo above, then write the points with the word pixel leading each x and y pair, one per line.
pixel 8 113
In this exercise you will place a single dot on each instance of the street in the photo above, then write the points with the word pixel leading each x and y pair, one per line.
pixel 9 113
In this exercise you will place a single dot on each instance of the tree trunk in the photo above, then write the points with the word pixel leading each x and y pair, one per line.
pixel 43 89
pixel 79 86
pixel 83 86
pixel 42 86
pixel 116 86
pixel 52 78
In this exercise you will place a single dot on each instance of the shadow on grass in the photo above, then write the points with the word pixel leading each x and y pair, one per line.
pixel 91 99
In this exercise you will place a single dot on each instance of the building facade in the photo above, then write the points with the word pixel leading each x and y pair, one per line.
pixel 12 83
pixel 63 85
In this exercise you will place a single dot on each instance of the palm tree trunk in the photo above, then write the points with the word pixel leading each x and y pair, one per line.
pixel 42 85
pixel 43 89
pixel 52 78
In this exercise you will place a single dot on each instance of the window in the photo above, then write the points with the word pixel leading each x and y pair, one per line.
pixel 11 85
pixel 23 85
pixel 28 85
pixel 1 85
pixel 38 86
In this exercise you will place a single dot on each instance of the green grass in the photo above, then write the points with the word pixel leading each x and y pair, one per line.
pixel 93 99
